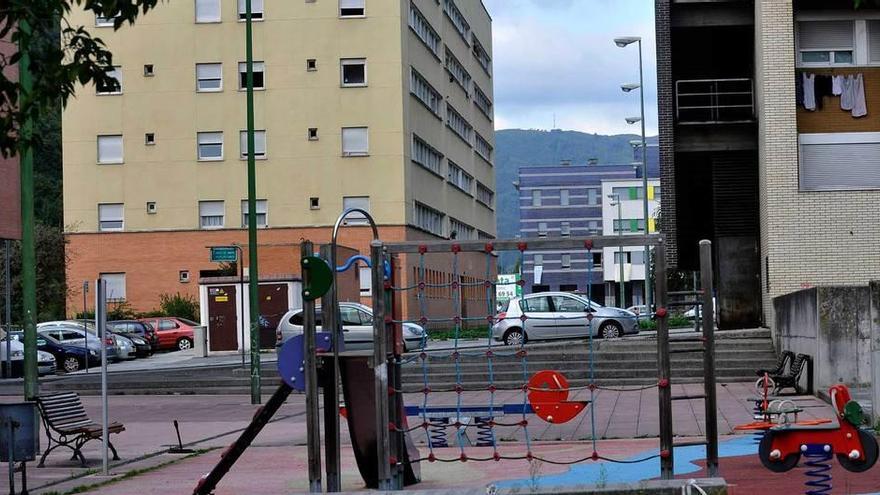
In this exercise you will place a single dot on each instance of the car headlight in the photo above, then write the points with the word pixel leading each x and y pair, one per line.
pixel 93 352
pixel 416 330
pixel 139 341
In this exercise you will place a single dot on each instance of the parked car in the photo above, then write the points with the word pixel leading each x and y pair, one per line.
pixel 560 315
pixel 694 311
pixel 357 327
pixel 174 333
pixel 72 347
pixel 45 361
pixel 125 348
pixel 141 334
pixel 640 310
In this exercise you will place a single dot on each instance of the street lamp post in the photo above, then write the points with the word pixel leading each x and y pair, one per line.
pixel 615 201
pixel 623 42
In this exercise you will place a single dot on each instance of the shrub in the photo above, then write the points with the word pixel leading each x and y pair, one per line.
pixel 120 310
pixel 180 305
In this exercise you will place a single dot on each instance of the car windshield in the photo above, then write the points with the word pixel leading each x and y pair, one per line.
pixel 592 304
pixel 188 322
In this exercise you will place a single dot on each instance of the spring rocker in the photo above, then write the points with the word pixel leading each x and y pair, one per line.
pixel 856 450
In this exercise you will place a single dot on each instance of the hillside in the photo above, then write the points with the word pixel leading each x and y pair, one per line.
pixel 519 147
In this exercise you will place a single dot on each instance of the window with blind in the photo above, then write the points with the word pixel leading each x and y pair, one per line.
pixel 209 78
pixel 461 230
pixel 428 219
pixel 458 21
pixel 110 149
pixel 425 155
pixel 839 161
pixel 116 74
pixel 360 202
pixel 210 146
pixel 483 103
pixel 485 195
pixel 458 124
pixel 483 148
pixel 352 8
pixel 211 214
pixel 355 141
pixel 114 286
pixel 826 43
pixel 481 55
pixel 259 144
pixel 111 216
pixel 874 42
pixel 458 72
pixel 422 89
pixel 423 30
pixel 262 212
pixel 459 178
pixel 256 10
pixel 208 11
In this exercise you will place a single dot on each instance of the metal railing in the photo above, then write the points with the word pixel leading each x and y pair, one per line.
pixel 714 101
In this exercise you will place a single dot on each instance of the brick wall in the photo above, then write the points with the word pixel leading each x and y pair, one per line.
pixel 809 238
pixel 665 102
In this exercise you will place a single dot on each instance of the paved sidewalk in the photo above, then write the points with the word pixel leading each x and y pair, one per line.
pixel 213 421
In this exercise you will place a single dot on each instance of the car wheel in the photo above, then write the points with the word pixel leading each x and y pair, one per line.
pixel 611 330
pixel 70 364
pixel 514 336
pixel 184 344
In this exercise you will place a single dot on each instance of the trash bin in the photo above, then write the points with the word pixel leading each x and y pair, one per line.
pixel 18 427
pixel 200 337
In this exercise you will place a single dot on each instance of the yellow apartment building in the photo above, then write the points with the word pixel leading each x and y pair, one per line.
pixel 380 104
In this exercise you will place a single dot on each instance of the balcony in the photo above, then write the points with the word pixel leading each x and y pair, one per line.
pixel 714 101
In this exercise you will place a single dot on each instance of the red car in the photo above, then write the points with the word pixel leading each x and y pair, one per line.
pixel 174 333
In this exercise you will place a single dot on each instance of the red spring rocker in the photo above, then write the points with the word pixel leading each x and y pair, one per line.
pixel 855 448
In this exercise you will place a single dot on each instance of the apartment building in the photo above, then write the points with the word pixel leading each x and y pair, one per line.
pixel 385 105
pixel 560 201
pixel 778 171
pixel 623 214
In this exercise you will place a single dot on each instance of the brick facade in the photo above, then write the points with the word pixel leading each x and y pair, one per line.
pixel 666 107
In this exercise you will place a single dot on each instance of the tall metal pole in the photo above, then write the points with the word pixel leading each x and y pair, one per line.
pixel 8 290
pixel 645 186
pixel 253 272
pixel 28 253
pixel 664 368
pixel 313 419
pixel 380 367
pixel 706 274
pixel 620 250
pixel 100 331
pixel 85 327
pixel 241 298
pixel 330 312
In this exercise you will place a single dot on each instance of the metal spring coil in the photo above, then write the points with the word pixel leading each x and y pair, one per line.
pixel 820 470
pixel 485 434
pixel 437 432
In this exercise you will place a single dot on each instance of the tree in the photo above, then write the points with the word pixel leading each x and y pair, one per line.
pixel 60 58
pixel 51 287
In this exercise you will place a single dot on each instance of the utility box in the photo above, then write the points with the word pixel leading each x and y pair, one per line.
pixel 200 340
pixel 22 416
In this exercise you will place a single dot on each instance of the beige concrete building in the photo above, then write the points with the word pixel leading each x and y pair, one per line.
pixel 380 104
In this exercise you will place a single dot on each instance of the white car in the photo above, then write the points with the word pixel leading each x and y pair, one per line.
pixel 45 361
pixel 357 327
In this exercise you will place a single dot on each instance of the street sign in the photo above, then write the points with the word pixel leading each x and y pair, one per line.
pixel 507 288
pixel 220 254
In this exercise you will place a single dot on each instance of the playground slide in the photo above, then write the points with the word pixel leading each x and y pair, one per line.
pixel 357 388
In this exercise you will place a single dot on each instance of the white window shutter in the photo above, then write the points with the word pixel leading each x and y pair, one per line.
pixel 826 35
pixel 874 41
pixel 209 71
pixel 110 149
pixel 355 140
pixel 840 166
pixel 114 285
pixel 208 10
pixel 351 4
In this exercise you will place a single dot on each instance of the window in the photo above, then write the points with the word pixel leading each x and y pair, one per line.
pixel 104 22
pixel 458 20
pixel 565 229
pixel 563 197
pixel 314 203
pixel 839 161
pixel 485 195
pixel 597 259
pixel 637 257
pixel 148 70
pixel 458 72
pixel 628 193
pixel 428 219
pixel 209 78
pixel 542 229
pixel 593 226
pixel 111 217
pixel 481 55
pixel 823 43
pixel 484 149
pixel 110 149
pixel 259 75
pixel 656 193
pixel 592 197
pixel 482 102
pixel 256 10
pixel 459 178
pixel 426 93
pixel 629 225
pixel 353 72
pixel 484 236
pixel 617 257
pixel 423 30
pixel 211 214
pixel 425 155
pixel 365 280
pixel 536 197
pixel 262 213
pixel 536 304
pixel 361 202
pixel 208 11
pixel 116 74
pixel 566 261
pixel 168 325
pixel 150 139
pixel 313 133
pixel 311 65
pixel 538 259
pixel 352 8
pixel 182 277
pixel 210 146
pixel 259 144
pixel 114 286
pixel 458 124
pixel 874 42
pixel 355 141
pixel 461 230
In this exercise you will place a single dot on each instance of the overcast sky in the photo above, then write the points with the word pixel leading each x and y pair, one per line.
pixel 558 57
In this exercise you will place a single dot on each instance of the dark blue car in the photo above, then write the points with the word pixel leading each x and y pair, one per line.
pixel 67 345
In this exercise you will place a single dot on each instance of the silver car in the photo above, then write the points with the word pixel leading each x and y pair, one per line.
pixel 357 327
pixel 560 315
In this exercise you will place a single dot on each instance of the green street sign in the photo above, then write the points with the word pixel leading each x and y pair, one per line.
pixel 221 254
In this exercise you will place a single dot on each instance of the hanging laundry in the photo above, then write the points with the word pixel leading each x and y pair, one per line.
pixel 860 106
pixel 847 97
pixel 823 88
pixel 836 85
pixel 809 91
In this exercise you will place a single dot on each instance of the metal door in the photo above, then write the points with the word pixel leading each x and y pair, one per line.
pixel 222 319
pixel 273 305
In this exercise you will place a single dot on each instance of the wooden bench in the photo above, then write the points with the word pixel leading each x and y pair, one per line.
pixel 68 425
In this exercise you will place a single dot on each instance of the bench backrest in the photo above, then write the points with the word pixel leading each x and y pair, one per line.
pixel 63 411
pixel 797 366
pixel 784 358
